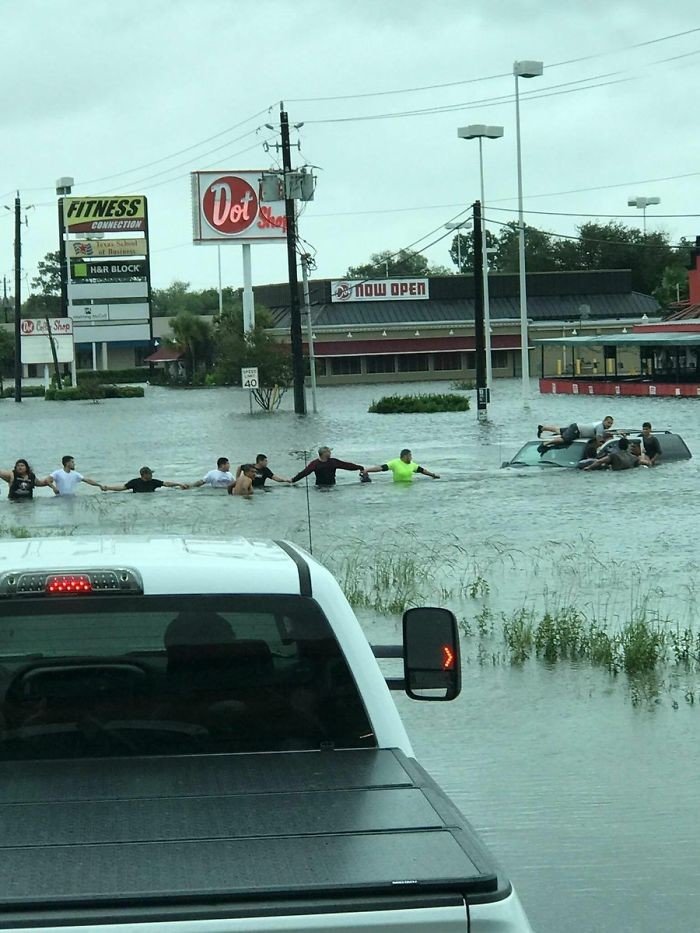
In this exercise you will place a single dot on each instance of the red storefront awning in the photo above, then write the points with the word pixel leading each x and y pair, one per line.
pixel 383 345
pixel 165 355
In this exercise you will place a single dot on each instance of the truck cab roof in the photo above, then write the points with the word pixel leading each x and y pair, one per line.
pixel 171 564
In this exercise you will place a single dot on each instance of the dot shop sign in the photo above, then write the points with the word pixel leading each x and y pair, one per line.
pixel 379 290
pixel 226 207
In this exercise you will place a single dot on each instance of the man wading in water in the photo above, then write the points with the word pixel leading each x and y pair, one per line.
pixel 325 466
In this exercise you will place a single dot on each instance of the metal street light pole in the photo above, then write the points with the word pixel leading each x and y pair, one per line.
pixel 643 203
pixel 480 131
pixel 528 69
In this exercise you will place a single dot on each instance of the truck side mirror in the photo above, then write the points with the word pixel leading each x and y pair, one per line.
pixel 431 654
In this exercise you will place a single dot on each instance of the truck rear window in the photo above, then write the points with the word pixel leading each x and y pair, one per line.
pixel 153 675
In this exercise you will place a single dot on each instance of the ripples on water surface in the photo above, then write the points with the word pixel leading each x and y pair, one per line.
pixel 591 800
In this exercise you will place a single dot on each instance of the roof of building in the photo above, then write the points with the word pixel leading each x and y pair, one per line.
pixel 551 296
pixel 165 354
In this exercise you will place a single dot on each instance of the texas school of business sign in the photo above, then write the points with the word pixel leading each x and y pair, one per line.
pixel 115 214
pixel 379 290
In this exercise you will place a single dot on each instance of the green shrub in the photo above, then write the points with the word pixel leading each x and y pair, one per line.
pixel 123 391
pixel 113 376
pixel 27 392
pixel 88 391
pixel 405 404
pixel 463 385
pixel 75 393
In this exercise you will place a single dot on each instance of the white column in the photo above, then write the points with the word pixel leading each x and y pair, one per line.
pixel 524 354
pixel 485 266
pixel 248 300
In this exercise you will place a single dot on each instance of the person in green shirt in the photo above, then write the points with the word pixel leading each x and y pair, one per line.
pixel 402 468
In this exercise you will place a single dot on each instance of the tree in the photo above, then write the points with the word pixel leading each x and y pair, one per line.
pixel 387 264
pixel 673 286
pixel 7 356
pixel 465 250
pixel 257 348
pixel 48 278
pixel 193 334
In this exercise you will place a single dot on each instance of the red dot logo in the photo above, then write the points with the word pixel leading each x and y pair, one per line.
pixel 230 205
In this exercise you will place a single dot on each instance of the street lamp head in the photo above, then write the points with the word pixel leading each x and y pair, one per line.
pixel 64 185
pixel 642 202
pixel 459 224
pixel 480 130
pixel 527 69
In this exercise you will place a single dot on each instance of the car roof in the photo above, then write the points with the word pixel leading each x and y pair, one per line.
pixel 167 564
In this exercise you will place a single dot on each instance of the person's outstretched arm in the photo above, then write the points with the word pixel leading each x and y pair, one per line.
pixel 380 468
pixel 346 465
pixel 117 487
pixel 92 482
pixel 428 473
pixel 309 468
pixel 279 479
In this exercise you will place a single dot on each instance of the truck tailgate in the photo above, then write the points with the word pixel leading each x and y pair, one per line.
pixel 238 829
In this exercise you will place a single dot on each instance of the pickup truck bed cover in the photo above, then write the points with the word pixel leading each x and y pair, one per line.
pixel 161 829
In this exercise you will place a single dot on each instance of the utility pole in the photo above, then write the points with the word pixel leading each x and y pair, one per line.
pixel 18 300
pixel 309 328
pixel 295 310
pixel 63 273
pixel 4 296
pixel 482 392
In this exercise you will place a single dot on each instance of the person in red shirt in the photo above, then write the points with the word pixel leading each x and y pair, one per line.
pixel 325 467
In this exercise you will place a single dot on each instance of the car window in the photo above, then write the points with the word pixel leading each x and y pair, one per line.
pixel 560 456
pixel 148 675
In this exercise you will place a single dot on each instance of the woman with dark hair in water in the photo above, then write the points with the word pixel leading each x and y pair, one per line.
pixel 22 481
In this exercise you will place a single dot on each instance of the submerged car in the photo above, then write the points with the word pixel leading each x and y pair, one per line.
pixel 673 447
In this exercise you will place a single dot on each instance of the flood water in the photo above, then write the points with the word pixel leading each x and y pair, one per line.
pixel 583 785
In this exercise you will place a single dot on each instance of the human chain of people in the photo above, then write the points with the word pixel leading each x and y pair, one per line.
pixel 249 477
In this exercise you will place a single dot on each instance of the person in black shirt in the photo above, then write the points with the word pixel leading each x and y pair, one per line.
pixel 144 482
pixel 22 481
pixel 262 473
pixel 325 466
pixel 651 445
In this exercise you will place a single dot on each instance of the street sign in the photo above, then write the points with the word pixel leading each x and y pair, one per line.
pixel 249 377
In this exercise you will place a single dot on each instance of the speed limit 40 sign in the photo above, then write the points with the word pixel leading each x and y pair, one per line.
pixel 249 377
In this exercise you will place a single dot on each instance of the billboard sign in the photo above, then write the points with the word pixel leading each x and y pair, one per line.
pixel 226 207
pixel 116 214
pixel 109 270
pixel 85 249
pixel 380 290
pixel 36 346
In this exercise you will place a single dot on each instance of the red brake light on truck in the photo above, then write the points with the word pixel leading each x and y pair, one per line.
pixel 68 584
pixel 448 658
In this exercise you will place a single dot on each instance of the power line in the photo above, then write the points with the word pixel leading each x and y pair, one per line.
pixel 173 155
pixel 587 239
pixel 503 74
pixel 514 210
pixel 550 91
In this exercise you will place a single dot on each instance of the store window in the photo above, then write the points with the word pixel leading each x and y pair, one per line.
pixel 413 363
pixel 499 359
pixel 447 361
pixel 381 364
pixel 346 365
pixel 471 360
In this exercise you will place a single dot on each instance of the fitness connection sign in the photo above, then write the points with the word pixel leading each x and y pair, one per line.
pixel 109 282
pixel 226 207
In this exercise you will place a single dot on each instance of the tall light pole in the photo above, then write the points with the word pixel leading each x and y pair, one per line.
pixel 643 203
pixel 459 225
pixel 480 131
pixel 527 69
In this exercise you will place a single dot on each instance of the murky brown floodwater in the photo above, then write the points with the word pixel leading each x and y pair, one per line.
pixel 584 788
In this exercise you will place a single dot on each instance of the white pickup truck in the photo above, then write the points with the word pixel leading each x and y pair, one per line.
pixel 196 737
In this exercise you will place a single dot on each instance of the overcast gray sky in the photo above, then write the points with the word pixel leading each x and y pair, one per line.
pixel 111 93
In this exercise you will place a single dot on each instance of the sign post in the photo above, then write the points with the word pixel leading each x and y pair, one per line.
pixel 250 381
